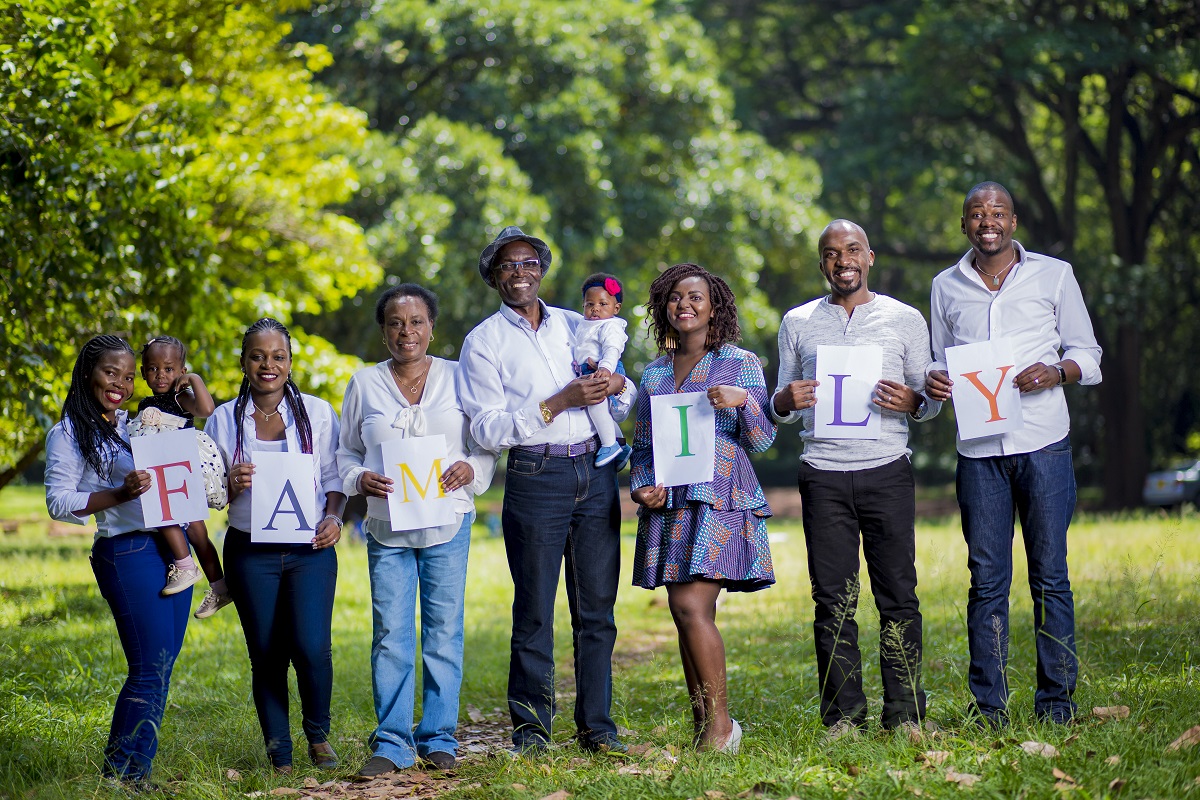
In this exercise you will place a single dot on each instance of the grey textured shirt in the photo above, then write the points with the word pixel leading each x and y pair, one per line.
pixel 902 333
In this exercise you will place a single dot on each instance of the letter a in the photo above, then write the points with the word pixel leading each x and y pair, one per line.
pixel 683 431
pixel 289 492
pixel 837 405
pixel 973 377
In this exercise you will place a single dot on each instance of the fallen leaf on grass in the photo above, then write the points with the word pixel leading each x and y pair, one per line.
pixel 520 787
pixel 1117 785
pixel 233 775
pixel 1062 776
pixel 1040 749
pixel 1065 786
pixel 961 778
pixel 1070 740
pixel 640 749
pixel 934 757
pixel 1112 760
pixel 561 794
pixel 1110 712
pixel 311 783
pixel 714 794
pixel 475 715
pixel 254 794
pixel 853 771
pixel 284 791
pixel 760 789
pixel 1190 738
pixel 897 774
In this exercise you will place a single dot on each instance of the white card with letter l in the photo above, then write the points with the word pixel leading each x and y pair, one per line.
pixel 848 376
pixel 418 499
pixel 176 493
pixel 685 438
pixel 985 401
pixel 283 498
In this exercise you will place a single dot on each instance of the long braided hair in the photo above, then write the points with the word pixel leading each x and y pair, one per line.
pixel 291 392
pixel 96 437
pixel 723 325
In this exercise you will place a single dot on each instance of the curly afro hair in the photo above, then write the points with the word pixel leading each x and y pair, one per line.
pixel 723 326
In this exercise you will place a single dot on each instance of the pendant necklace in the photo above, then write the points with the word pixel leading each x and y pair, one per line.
pixel 412 389
pixel 996 278
pixel 266 416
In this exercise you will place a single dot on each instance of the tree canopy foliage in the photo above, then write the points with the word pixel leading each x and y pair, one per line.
pixel 166 166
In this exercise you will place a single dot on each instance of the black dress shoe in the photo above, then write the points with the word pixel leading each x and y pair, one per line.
pixel 441 760
pixel 323 756
pixel 375 766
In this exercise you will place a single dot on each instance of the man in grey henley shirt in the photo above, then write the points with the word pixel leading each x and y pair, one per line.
pixel 850 486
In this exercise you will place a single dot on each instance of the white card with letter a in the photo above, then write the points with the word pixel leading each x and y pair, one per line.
pixel 418 499
pixel 176 493
pixel 283 498
pixel 848 376
pixel 685 438
pixel 985 401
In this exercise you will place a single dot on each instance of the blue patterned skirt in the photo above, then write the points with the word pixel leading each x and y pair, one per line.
pixel 679 545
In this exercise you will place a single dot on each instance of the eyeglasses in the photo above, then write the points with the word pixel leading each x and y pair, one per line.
pixel 509 267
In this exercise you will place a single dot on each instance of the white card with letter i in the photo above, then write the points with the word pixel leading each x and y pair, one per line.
pixel 685 438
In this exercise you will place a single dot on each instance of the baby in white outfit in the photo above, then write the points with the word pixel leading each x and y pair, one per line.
pixel 599 342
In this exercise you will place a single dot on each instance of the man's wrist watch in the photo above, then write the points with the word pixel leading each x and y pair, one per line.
pixel 547 414
pixel 922 405
pixel 1062 374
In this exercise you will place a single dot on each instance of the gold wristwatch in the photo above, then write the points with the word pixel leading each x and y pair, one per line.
pixel 547 414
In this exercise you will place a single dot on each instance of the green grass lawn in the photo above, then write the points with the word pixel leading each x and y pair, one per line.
pixel 1136 581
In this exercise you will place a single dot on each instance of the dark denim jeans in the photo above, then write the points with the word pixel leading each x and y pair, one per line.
pixel 880 503
pixel 556 507
pixel 284 598
pixel 130 570
pixel 1041 487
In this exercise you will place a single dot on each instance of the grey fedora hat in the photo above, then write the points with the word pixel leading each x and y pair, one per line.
pixel 512 234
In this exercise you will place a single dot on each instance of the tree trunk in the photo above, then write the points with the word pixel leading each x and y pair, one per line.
pixel 23 463
pixel 1125 463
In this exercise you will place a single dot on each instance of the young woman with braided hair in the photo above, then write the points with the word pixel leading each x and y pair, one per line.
pixel 283 592
pixel 89 470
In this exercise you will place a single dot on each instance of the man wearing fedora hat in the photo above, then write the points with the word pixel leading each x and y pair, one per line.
pixel 517 384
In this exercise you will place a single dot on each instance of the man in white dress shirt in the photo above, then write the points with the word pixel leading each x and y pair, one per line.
pixel 517 384
pixel 1001 290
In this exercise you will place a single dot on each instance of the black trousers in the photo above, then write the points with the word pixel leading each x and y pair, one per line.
pixel 880 504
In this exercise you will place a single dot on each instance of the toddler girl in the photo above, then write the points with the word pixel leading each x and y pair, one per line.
pixel 599 342
pixel 178 397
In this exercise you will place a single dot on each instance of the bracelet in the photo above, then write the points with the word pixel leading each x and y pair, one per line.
pixel 1062 374
pixel 624 387
pixel 547 414
pixel 335 518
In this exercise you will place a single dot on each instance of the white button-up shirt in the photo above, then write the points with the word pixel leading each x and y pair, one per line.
pixel 506 369
pixel 1040 309
pixel 374 411
pixel 325 429
pixel 70 482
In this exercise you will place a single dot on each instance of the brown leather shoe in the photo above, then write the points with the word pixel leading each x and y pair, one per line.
pixel 322 755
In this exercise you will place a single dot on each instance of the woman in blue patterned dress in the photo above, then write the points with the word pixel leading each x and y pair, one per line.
pixel 698 539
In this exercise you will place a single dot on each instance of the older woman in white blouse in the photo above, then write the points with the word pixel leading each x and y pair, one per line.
pixel 412 394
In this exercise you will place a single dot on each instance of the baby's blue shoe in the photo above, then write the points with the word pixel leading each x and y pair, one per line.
pixel 626 452
pixel 607 454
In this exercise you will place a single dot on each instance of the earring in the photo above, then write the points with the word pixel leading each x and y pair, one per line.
pixel 670 341
pixel 711 339
pixel 432 337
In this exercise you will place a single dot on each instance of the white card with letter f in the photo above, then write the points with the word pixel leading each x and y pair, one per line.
pixel 848 376
pixel 418 499
pixel 985 401
pixel 685 438
pixel 176 493
pixel 283 500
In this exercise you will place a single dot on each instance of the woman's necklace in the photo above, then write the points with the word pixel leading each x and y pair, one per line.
pixel 996 278
pixel 412 389
pixel 265 415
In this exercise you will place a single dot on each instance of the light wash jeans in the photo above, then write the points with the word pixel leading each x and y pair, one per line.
pixel 439 573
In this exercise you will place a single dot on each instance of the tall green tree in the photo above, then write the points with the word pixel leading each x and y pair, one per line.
pixel 603 126
pixel 165 166
pixel 1089 111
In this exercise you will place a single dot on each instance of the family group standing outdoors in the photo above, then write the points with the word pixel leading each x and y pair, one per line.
pixel 547 385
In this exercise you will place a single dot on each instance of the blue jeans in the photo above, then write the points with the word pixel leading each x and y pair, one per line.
pixel 439 573
pixel 1041 487
pixel 284 598
pixel 130 570
pixel 556 507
